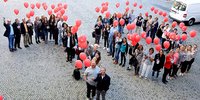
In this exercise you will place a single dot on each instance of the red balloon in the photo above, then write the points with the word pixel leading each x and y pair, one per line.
pixel 184 28
pixel 155 11
pixel 115 23
pixel 137 38
pixel 146 14
pixel 133 25
pixel 117 5
pixel 143 34
pixel 158 47
pixel 1 97
pixel 166 44
pixel 133 37
pixel 78 23
pixel 129 36
pixel 78 64
pixel 165 19
pixel 160 13
pixel 87 62
pixel 103 4
pixel 181 24
pixel 83 45
pixel 128 27
pixel 127 9
pixel 82 39
pixel 32 6
pixel 55 10
pixel 65 18
pixel 38 5
pixel 106 3
pixel 50 12
pixel 97 9
pixel 82 56
pixel 193 33
pixel 174 24
pixel 26 4
pixel 45 7
pixel 16 11
pixel 119 15
pixel 140 6
pixel 62 11
pixel 134 43
pixel 122 21
pixel 127 3
pixel 152 8
pixel 32 13
pixel 148 40
pixel 107 14
pixel 135 4
pixel 4 1
pixel 172 36
pixel 28 15
pixel 74 29
pixel 164 14
pixel 59 4
pixel 177 37
pixel 105 8
pixel 52 6
pixel 102 11
pixel 65 6
pixel 184 37
pixel 156 41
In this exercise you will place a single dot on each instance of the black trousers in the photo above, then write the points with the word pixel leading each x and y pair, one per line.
pixel 17 40
pixel 106 42
pixel 55 37
pixel 123 58
pixel 89 88
pixel 166 72
pixel 69 54
pixel 97 38
pixel 156 74
pixel 174 70
pixel 190 64
pixel 184 66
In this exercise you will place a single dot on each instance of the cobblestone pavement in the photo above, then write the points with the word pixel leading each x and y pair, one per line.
pixel 41 73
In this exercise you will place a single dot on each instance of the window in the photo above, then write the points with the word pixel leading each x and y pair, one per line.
pixel 179 6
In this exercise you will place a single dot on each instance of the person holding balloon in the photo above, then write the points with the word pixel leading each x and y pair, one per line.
pixel 194 53
pixel 17 31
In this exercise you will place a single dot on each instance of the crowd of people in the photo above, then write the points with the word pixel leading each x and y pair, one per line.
pixel 179 55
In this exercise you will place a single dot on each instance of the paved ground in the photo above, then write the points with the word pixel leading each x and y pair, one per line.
pixel 41 73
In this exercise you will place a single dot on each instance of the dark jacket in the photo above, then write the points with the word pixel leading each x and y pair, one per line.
pixel 102 84
pixel 158 66
pixel 17 31
pixel 30 28
pixel 72 41
pixel 7 32
pixel 23 30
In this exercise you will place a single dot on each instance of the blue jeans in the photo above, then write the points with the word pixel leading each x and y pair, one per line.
pixel 121 29
pixel 117 51
pixel 60 37
pixel 11 39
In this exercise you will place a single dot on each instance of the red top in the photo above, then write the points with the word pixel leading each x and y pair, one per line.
pixel 168 63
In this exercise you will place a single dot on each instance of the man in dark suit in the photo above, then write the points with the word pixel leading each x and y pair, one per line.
pixel 70 43
pixel 17 31
pixel 24 31
pixel 9 33
pixel 103 83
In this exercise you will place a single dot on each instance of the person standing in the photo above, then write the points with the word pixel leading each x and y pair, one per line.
pixel 159 63
pixel 176 63
pixel 17 31
pixel 118 42
pixel 154 28
pixel 139 23
pixel 148 61
pixel 60 31
pixel 106 34
pixel 103 83
pixel 24 30
pixel 9 33
pixel 167 67
pixel 45 26
pixel 37 25
pixel 70 43
pixel 159 32
pixel 52 21
pixel 113 30
pixel 123 50
pixel 183 62
pixel 90 75
pixel 98 29
pixel 194 53
pixel 30 30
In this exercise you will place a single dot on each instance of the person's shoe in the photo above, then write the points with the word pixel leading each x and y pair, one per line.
pixel 123 65
pixel 36 42
pixel 27 45
pixel 11 50
pixel 120 64
pixel 164 82
pixel 39 42
pixel 19 47
pixel 14 49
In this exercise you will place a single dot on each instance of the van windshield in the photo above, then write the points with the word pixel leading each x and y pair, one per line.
pixel 179 6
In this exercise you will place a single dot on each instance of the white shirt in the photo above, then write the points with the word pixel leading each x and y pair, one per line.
pixel 59 25
pixel 11 30
pixel 68 42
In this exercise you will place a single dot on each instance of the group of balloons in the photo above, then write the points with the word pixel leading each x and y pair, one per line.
pixel 58 10
pixel 86 61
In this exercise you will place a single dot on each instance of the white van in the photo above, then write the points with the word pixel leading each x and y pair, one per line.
pixel 186 11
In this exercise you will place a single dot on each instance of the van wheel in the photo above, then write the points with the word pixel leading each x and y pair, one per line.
pixel 191 22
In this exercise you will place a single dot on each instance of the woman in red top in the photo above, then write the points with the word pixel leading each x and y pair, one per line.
pixel 167 67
